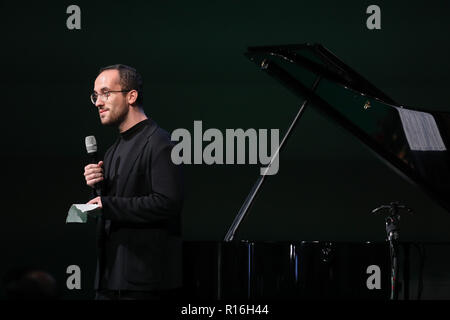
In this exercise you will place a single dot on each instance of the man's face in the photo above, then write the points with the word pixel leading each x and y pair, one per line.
pixel 113 110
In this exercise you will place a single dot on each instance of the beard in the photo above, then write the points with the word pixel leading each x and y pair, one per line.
pixel 114 118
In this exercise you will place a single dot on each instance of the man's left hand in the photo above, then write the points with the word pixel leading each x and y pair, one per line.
pixel 96 200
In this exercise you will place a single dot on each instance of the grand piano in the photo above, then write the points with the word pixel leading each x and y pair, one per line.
pixel 412 142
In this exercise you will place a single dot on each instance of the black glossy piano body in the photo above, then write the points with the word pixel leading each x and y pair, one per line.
pixel 411 141
pixel 243 270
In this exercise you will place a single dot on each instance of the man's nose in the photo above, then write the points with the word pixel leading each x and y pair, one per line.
pixel 99 102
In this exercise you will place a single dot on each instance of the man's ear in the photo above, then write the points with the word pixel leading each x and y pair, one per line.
pixel 132 97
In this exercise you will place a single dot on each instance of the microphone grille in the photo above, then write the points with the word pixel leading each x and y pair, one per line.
pixel 91 144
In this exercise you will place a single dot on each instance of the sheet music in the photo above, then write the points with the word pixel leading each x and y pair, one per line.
pixel 421 131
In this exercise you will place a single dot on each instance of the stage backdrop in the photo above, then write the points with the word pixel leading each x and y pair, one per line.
pixel 191 55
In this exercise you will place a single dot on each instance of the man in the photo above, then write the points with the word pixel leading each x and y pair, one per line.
pixel 139 243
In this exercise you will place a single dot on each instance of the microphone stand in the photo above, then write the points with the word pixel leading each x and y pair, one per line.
pixel 392 223
pixel 392 231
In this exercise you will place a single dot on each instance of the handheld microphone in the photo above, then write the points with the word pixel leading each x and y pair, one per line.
pixel 91 148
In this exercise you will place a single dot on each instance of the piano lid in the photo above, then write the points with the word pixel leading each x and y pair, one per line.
pixel 412 142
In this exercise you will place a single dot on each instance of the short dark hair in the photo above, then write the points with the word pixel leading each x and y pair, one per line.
pixel 129 79
pixel 29 283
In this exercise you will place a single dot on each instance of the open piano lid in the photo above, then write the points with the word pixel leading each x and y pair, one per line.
pixel 413 142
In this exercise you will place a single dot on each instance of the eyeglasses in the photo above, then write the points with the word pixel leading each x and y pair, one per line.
pixel 104 96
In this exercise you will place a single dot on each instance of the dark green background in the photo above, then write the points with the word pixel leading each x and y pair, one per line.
pixel 191 55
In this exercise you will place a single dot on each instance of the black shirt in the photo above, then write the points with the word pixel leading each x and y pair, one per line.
pixel 126 142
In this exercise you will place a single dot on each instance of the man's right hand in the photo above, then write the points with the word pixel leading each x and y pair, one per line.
pixel 93 173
